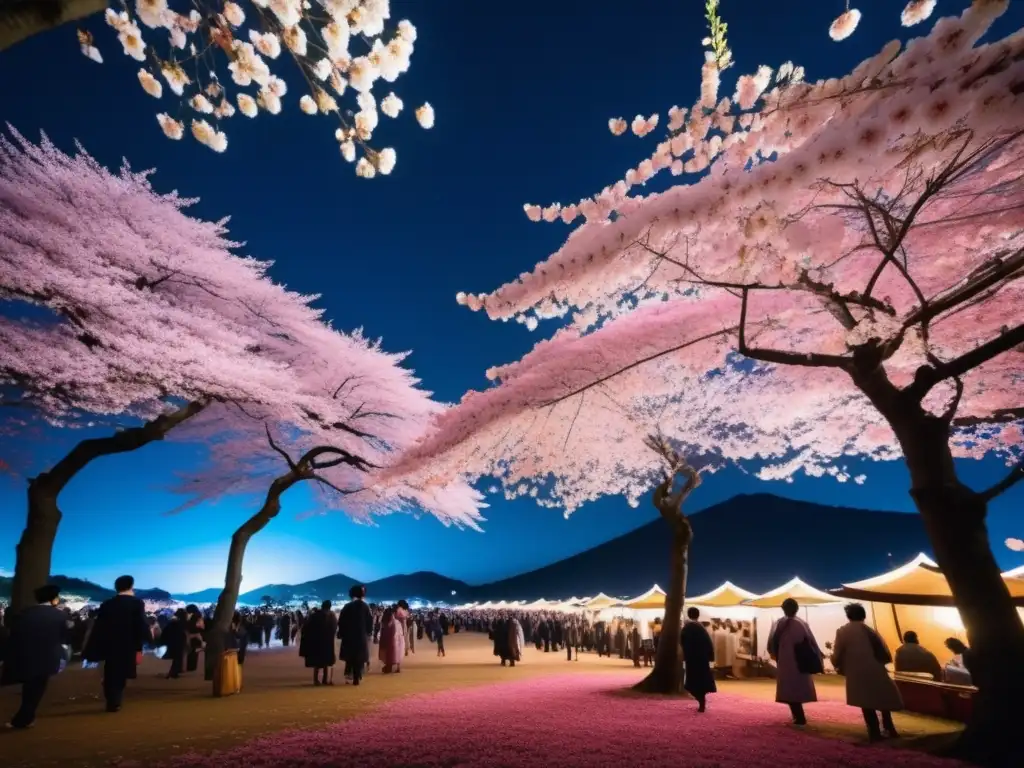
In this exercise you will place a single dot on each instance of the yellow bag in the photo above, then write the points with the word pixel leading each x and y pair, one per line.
pixel 227 677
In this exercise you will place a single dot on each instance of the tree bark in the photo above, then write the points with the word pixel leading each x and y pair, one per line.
pixel 34 552
pixel 954 517
pixel 22 19
pixel 667 675
pixel 217 633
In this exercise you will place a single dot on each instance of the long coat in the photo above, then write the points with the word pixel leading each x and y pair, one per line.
pixel 868 684
pixel 515 639
pixel 392 639
pixel 500 632
pixel 355 627
pixel 792 686
pixel 118 635
pixel 34 647
pixel 698 653
pixel 316 645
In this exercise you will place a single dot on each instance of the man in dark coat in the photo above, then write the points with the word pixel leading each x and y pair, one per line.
pixel 35 651
pixel 316 645
pixel 355 628
pixel 117 639
pixel 698 653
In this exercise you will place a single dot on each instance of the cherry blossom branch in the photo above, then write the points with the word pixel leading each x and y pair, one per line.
pixel 806 359
pixel 1015 476
pixel 927 376
pixel 999 416
pixel 270 439
pixel 638 363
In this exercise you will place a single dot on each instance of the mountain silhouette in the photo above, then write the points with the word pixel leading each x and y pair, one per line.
pixel 72 587
pixel 758 541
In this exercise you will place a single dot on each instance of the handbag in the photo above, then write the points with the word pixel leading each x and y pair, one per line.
pixel 808 660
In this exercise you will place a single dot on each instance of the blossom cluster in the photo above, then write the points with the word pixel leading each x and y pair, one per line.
pixel 183 52
pixel 149 308
pixel 799 194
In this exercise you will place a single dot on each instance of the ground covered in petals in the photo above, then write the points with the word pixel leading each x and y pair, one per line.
pixel 567 720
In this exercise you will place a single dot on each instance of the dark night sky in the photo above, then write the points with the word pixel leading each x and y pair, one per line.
pixel 523 94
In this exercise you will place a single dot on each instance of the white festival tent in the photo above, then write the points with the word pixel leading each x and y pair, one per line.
pixel 827 616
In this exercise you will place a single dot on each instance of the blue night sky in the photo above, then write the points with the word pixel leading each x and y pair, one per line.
pixel 522 94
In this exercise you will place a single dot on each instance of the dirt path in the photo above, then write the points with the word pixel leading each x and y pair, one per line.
pixel 162 718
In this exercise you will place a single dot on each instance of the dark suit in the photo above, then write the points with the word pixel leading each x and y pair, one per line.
pixel 116 639
pixel 35 654
pixel 355 626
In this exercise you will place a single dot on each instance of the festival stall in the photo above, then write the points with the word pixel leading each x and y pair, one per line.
pixel 828 613
pixel 916 596
pixel 599 602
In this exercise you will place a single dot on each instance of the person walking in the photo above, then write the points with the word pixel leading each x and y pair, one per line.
pixel 117 639
pixel 35 651
pixel 355 626
pixel 797 656
pixel 860 655
pixel 698 655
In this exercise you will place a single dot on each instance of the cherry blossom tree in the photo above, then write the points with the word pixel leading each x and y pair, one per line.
pixel 149 320
pixel 207 55
pixel 859 237
pixel 359 407
pixel 556 430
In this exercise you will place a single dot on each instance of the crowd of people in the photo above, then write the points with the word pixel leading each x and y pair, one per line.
pixel 117 633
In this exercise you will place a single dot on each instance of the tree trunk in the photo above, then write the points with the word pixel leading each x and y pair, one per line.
pixel 217 633
pixel 667 675
pixel 954 517
pixel 22 19
pixel 34 552
pixel 35 549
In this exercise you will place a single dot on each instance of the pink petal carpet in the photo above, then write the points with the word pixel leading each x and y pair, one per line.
pixel 577 720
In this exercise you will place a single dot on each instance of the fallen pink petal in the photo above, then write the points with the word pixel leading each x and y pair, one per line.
pixel 575 720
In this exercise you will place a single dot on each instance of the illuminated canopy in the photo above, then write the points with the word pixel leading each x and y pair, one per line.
pixel 1015 573
pixel 726 596
pixel 653 598
pixel 600 601
pixel 803 593
pixel 919 582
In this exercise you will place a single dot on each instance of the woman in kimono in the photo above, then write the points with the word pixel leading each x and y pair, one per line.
pixel 792 686
pixel 392 639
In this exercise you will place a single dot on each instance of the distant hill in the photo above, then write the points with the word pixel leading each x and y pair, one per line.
pixel 425 585
pixel 85 589
pixel 757 541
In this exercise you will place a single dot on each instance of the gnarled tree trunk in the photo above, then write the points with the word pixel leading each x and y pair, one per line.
pixel 217 633
pixel 667 675
pixel 22 19
pixel 35 549
pixel 954 517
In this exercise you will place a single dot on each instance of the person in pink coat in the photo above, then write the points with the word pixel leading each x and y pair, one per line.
pixel 792 686
pixel 392 637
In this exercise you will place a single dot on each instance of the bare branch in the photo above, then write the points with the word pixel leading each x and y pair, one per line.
pixel 270 439
pixel 955 402
pixel 999 416
pixel 807 359
pixel 1015 476
pixel 927 376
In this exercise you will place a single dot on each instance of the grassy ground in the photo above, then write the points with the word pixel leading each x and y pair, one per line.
pixel 163 717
